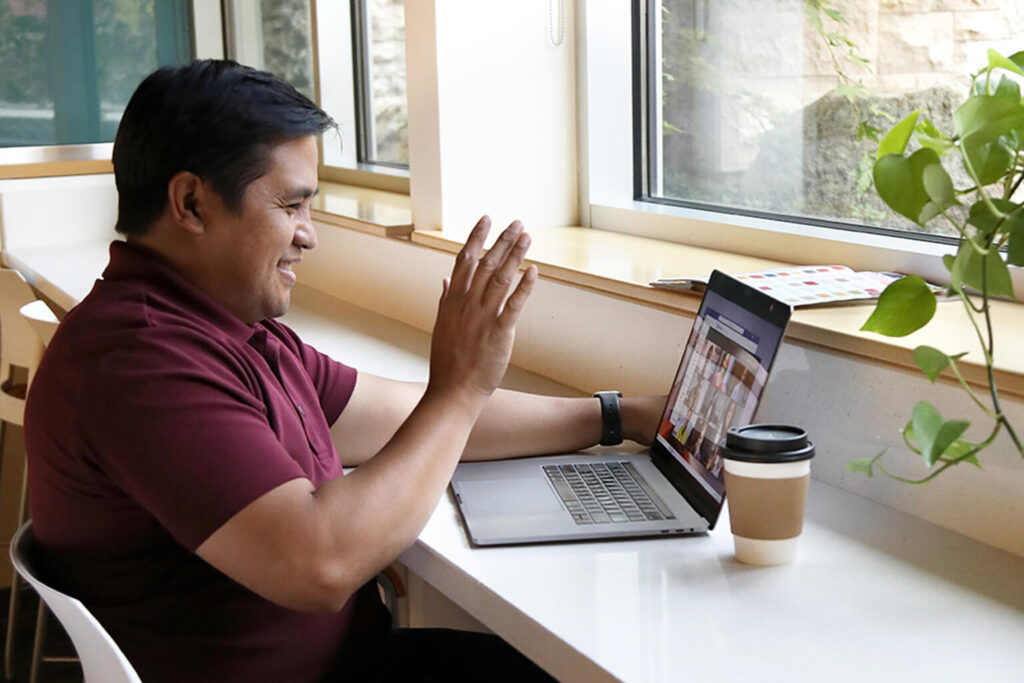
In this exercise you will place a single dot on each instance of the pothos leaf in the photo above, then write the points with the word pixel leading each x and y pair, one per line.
pixel 932 361
pixel 980 271
pixel 895 141
pixel 906 305
pixel 934 434
pixel 916 187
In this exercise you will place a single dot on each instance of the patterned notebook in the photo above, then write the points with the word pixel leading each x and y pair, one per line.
pixel 803 285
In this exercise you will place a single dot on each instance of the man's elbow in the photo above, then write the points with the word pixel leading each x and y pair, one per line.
pixel 311 594
pixel 323 587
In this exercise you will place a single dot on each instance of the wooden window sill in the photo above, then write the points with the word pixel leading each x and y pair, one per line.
pixel 622 266
pixel 619 265
pixel 55 160
pixel 386 214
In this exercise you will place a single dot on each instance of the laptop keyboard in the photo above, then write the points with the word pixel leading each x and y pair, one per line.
pixel 605 493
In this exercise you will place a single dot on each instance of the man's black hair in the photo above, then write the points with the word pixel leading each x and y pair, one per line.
pixel 215 118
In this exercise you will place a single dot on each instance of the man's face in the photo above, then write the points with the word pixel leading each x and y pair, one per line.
pixel 250 256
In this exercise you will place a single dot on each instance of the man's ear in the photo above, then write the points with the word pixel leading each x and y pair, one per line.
pixel 185 194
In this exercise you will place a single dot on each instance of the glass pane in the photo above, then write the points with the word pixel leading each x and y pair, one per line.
pixel 758 112
pixel 26 107
pixel 67 69
pixel 288 43
pixel 274 36
pixel 390 136
pixel 126 52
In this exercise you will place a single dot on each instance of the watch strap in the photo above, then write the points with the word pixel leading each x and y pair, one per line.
pixel 611 417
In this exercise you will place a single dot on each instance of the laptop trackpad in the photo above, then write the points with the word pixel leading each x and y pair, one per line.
pixel 509 496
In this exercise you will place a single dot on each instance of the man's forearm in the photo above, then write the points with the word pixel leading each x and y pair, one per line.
pixel 514 424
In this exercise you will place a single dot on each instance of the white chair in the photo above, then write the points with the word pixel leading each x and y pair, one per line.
pixel 41 319
pixel 102 660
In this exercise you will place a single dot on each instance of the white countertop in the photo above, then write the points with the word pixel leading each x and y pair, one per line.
pixel 875 594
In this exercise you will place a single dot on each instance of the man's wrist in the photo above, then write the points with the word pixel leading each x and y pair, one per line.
pixel 611 417
pixel 455 399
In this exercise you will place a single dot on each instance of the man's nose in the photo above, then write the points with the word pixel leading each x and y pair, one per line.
pixel 305 235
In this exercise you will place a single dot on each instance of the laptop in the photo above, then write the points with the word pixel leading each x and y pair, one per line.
pixel 677 487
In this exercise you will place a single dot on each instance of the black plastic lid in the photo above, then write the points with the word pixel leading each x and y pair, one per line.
pixel 767 443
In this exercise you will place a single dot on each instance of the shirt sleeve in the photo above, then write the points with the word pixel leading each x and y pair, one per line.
pixel 334 381
pixel 184 432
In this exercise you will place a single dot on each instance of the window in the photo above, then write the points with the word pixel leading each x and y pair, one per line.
pixel 379 48
pixel 274 36
pixel 361 50
pixel 67 69
pixel 754 107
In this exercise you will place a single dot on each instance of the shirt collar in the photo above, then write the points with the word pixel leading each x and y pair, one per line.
pixel 133 262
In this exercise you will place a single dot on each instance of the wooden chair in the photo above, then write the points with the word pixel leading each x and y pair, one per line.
pixel 20 351
pixel 41 319
pixel 43 322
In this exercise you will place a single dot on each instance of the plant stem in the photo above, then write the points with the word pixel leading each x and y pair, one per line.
pixel 1012 433
pixel 974 176
pixel 989 347
pixel 962 229
pixel 970 316
pixel 1016 184
pixel 970 392
pixel 946 464
pixel 1011 183
pixel 993 390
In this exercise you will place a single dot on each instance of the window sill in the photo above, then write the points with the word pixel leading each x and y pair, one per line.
pixel 377 212
pixel 377 177
pixel 621 265
pixel 55 160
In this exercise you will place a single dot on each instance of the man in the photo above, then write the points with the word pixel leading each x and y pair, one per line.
pixel 183 479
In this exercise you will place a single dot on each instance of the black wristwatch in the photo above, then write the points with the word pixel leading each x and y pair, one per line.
pixel 611 417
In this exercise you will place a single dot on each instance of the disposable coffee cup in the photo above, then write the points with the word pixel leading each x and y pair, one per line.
pixel 767 471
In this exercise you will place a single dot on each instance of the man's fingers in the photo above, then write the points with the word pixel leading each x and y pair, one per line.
pixel 468 256
pixel 494 257
pixel 501 282
pixel 517 300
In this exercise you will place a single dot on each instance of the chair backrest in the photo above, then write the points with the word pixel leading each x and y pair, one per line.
pixel 19 344
pixel 41 319
pixel 102 660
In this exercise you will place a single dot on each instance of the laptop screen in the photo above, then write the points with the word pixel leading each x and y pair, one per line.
pixel 725 365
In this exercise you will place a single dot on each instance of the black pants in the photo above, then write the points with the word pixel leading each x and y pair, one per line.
pixel 425 655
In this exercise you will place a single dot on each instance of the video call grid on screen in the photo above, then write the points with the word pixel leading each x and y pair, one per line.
pixel 724 369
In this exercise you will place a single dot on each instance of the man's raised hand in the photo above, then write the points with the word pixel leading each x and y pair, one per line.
pixel 476 317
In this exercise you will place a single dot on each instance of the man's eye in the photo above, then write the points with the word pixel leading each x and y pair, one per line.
pixel 296 206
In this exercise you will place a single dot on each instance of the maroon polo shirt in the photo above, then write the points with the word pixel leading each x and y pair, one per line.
pixel 156 416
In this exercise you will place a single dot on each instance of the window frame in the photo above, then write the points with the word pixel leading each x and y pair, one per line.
pixel 612 198
pixel 342 81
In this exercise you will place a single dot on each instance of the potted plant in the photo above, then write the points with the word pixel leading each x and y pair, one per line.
pixel 987 142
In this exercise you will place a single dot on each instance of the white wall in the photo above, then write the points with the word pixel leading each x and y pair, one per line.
pixel 33 214
pixel 491 114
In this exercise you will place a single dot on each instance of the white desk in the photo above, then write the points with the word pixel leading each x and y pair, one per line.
pixel 875 595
